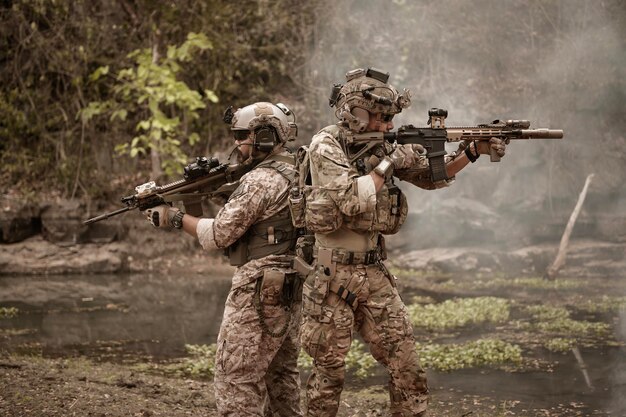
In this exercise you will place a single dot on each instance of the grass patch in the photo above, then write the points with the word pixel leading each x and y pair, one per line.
pixel 8 312
pixel 556 320
pixel 199 364
pixel 560 344
pixel 605 304
pixel 459 312
pixel 482 352
pixel 528 282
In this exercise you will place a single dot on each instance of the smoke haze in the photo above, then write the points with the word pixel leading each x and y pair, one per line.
pixel 560 64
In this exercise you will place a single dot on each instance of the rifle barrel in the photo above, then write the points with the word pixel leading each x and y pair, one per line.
pixel 107 215
pixel 542 133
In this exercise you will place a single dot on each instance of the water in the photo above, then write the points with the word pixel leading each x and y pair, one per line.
pixel 113 316
pixel 146 317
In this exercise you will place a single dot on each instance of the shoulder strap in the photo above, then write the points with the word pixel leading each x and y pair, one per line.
pixel 283 164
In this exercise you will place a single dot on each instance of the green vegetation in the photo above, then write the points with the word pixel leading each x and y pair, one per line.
pixel 605 304
pixel 8 312
pixel 202 360
pixel 560 344
pixel 529 282
pixel 153 89
pixel 482 352
pixel 152 69
pixel 556 320
pixel 459 312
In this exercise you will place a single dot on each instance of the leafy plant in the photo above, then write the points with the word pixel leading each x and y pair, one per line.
pixel 482 352
pixel 8 312
pixel 556 320
pixel 201 361
pixel 459 312
pixel 166 106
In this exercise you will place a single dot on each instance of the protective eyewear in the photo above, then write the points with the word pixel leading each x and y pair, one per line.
pixel 386 117
pixel 241 134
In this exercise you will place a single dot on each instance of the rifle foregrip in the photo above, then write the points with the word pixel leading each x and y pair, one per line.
pixel 493 155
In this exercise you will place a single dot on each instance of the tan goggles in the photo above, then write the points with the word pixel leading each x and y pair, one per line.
pixel 241 134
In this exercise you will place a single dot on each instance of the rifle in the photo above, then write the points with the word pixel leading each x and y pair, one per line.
pixel 204 178
pixel 434 138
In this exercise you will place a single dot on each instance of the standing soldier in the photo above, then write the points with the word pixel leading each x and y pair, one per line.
pixel 258 342
pixel 350 204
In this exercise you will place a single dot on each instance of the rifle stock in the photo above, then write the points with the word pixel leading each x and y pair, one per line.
pixel 434 138
pixel 204 178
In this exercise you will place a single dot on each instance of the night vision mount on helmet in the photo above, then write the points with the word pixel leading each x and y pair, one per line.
pixel 366 91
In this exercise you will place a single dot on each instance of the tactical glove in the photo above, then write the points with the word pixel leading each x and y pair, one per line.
pixel 477 148
pixel 496 144
pixel 164 216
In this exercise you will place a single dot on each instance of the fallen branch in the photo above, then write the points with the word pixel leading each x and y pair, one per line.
pixel 553 269
pixel 583 367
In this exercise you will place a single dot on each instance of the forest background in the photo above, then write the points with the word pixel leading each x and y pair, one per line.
pixel 99 96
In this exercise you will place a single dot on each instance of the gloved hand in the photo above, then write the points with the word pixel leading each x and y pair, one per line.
pixel 482 147
pixel 402 157
pixel 161 216
pixel 498 145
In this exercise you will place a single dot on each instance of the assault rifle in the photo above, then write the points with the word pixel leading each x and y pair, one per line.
pixel 434 138
pixel 204 178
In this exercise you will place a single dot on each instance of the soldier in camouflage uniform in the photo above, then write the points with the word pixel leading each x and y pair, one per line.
pixel 350 203
pixel 258 344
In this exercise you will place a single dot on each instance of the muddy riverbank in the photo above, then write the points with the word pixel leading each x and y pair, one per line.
pixel 99 324
pixel 114 345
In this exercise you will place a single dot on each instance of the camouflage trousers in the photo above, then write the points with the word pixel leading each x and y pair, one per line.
pixel 382 321
pixel 255 373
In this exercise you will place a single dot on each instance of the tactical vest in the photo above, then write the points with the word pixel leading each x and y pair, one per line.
pixel 387 218
pixel 273 236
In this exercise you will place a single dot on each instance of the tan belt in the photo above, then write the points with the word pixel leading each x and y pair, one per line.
pixel 346 257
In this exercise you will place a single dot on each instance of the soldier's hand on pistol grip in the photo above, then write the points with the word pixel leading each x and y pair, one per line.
pixel 396 160
pixel 161 216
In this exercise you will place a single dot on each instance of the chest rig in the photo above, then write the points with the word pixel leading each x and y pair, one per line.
pixel 391 205
pixel 273 236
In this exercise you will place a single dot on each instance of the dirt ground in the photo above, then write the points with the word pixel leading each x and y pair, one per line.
pixel 34 387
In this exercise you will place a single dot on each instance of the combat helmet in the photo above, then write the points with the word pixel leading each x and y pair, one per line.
pixel 269 122
pixel 366 91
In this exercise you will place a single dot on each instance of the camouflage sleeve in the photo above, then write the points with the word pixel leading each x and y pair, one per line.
pixel 332 172
pixel 247 204
pixel 413 167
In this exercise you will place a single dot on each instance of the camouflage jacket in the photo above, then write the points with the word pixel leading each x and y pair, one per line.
pixel 335 178
pixel 261 194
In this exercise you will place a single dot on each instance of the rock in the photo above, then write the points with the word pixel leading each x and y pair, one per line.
pixel 61 222
pixel 18 220
pixel 38 256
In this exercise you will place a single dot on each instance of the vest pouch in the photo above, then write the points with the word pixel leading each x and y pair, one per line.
pixel 314 293
pixel 297 207
pixel 272 286
pixel 322 214
pixel 304 248
pixel 398 210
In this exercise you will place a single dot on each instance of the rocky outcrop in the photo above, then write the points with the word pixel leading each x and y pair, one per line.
pixel 584 257
pixel 38 256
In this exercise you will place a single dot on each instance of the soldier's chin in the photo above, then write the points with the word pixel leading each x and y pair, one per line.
pixel 238 156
